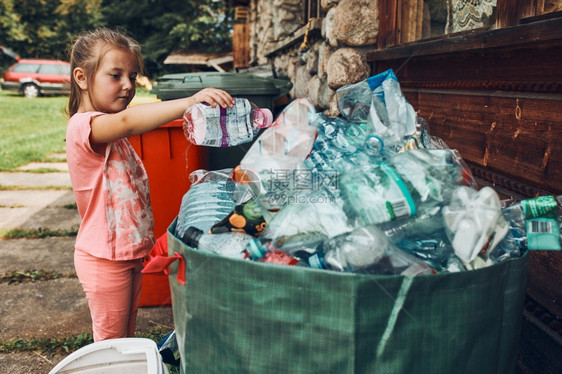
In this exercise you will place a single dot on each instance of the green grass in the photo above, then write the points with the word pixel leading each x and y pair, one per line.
pixel 39 233
pixel 32 129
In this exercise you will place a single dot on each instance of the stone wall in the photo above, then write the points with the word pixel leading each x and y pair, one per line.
pixel 333 56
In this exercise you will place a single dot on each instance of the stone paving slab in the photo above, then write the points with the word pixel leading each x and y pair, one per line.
pixel 61 166
pixel 54 219
pixel 29 209
pixel 57 179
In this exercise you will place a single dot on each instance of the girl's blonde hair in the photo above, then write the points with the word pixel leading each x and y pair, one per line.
pixel 87 52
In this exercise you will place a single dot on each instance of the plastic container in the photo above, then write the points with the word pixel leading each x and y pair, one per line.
pixel 262 91
pixel 225 127
pixel 119 356
pixel 168 159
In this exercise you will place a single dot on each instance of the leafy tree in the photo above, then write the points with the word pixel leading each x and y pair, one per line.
pixel 74 16
pixel 44 28
pixel 11 30
pixel 163 26
pixel 36 17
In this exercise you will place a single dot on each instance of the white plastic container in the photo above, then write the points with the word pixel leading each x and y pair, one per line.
pixel 114 356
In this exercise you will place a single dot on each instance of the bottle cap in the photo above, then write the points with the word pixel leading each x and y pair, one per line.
pixel 267 118
pixel 191 236
pixel 373 145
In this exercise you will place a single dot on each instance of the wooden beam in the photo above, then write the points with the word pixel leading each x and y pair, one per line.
pixel 550 29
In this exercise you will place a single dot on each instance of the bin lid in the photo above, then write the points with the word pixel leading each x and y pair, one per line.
pixel 183 84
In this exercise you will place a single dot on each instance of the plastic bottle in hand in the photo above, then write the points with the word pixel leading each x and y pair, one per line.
pixel 366 250
pixel 225 127
pixel 228 244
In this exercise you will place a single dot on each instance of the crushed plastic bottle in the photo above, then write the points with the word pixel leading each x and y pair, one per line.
pixel 366 250
pixel 338 146
pixel 273 163
pixel 379 102
pixel 225 127
pixel 435 250
pixel 410 183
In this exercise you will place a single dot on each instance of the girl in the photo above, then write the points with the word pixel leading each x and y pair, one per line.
pixel 108 179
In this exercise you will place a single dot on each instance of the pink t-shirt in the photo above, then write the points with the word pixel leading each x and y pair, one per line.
pixel 111 193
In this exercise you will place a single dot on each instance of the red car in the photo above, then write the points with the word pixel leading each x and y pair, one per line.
pixel 38 77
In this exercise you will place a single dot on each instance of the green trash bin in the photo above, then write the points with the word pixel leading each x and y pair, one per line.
pixel 262 91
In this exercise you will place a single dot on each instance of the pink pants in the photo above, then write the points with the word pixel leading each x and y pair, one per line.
pixel 113 291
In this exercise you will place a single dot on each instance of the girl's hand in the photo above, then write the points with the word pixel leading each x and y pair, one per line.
pixel 214 96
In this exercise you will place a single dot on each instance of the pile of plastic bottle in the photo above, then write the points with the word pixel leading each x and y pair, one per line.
pixel 370 191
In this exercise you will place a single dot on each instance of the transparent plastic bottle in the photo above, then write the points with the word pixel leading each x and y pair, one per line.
pixel 379 102
pixel 338 145
pixel 225 127
pixel 209 199
pixel 228 244
pixel 410 183
pixel 366 250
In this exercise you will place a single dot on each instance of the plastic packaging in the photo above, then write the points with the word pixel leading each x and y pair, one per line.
pixel 228 244
pixel 366 250
pixel 225 127
pixel 209 199
pixel 169 349
pixel 410 183
pixel 535 223
pixel 338 146
pixel 273 162
pixel 390 118
pixel 474 222
pixel 301 226
pixel 433 249
pixel 371 192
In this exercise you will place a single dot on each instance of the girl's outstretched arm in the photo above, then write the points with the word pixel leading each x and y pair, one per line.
pixel 145 117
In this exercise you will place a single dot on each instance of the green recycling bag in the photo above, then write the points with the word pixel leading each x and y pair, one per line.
pixel 235 316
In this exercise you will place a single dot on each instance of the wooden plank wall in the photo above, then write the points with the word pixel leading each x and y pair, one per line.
pixel 241 45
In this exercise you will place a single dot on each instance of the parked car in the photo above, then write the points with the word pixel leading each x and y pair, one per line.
pixel 38 77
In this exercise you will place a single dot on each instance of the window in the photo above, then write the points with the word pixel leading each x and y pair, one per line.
pixel 26 68
pixel 406 21
pixel 54 69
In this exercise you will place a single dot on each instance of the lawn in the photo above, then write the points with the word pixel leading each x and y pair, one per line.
pixel 32 129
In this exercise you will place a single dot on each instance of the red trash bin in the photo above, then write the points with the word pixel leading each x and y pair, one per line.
pixel 168 159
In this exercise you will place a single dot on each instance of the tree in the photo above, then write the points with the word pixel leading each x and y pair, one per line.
pixel 44 28
pixel 163 26
pixel 11 30
pixel 74 16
